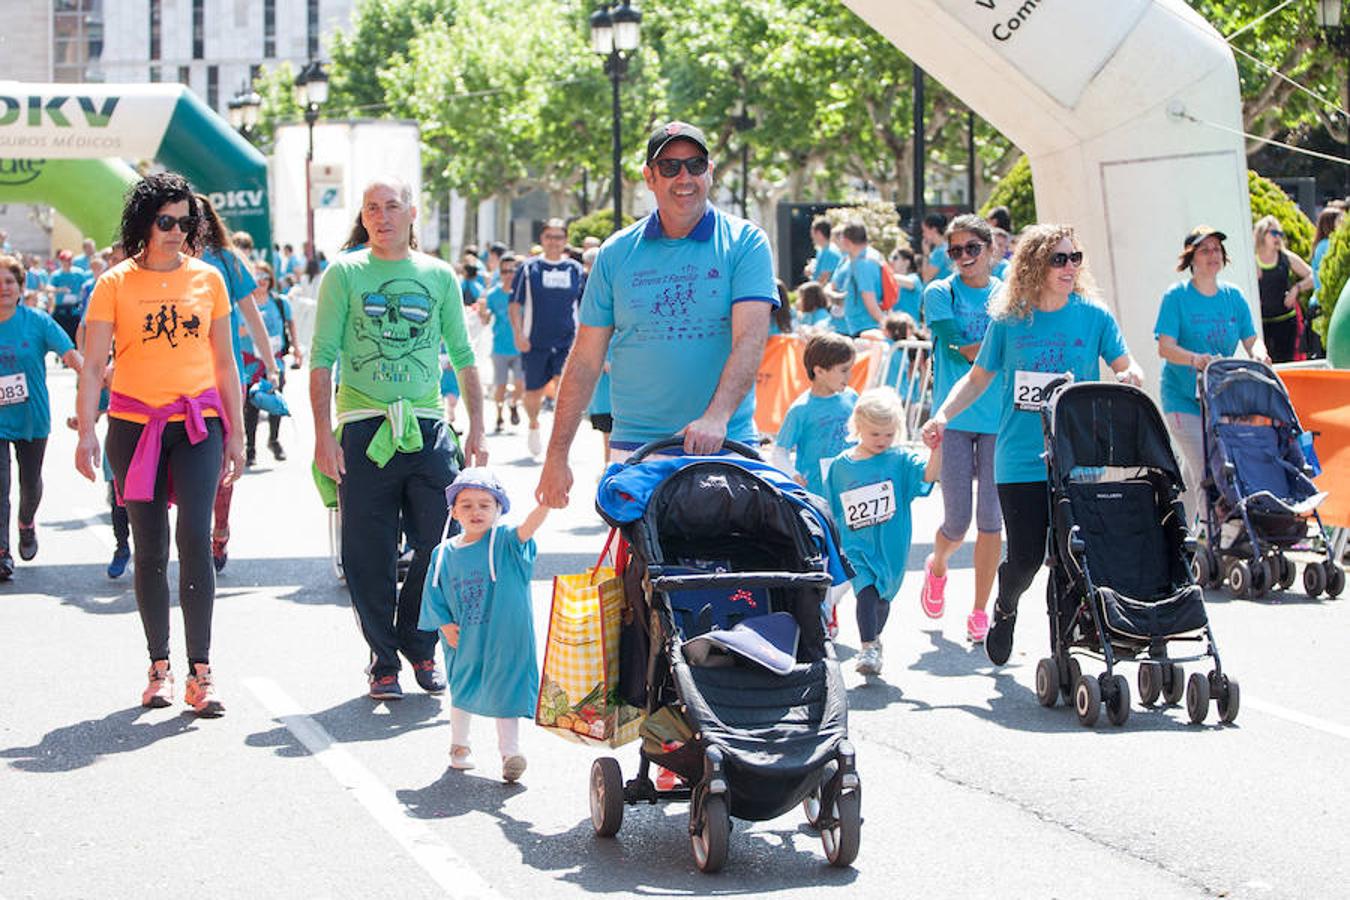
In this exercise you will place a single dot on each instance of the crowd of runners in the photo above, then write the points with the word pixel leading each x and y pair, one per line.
pixel 657 332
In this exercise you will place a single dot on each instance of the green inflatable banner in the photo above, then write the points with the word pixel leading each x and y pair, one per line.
pixel 67 144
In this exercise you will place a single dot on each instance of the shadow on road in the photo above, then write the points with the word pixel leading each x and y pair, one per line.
pixel 355 720
pixel 75 746
pixel 651 854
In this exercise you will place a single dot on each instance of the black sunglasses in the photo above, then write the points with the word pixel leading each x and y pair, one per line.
pixel 670 168
pixel 1060 260
pixel 969 248
pixel 186 224
pixel 1274 232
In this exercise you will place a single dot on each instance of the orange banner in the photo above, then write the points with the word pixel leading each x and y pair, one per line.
pixel 782 377
pixel 1322 399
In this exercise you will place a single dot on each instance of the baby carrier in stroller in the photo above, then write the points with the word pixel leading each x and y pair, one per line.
pixel 1120 585
pixel 723 546
pixel 1258 489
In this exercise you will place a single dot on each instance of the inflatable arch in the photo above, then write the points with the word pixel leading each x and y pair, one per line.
pixel 1104 98
pixel 66 144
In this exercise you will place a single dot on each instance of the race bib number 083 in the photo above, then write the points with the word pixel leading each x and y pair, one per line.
pixel 1029 389
pixel 13 389
pixel 868 505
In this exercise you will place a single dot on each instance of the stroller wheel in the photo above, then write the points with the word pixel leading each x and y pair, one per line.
pixel 1314 579
pixel 1150 682
pixel 1263 576
pixel 1197 697
pixel 1087 700
pixel 1118 704
pixel 606 796
pixel 811 804
pixel 1202 569
pixel 1230 700
pixel 1239 578
pixel 1047 682
pixel 1335 578
pixel 1075 671
pixel 714 835
pixel 842 839
pixel 1175 685
pixel 1287 572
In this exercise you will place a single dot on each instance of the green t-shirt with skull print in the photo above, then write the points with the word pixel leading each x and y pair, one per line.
pixel 385 320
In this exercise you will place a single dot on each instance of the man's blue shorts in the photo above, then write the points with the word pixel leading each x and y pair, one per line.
pixel 543 365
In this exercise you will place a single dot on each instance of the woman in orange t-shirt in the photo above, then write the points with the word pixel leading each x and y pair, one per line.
pixel 174 420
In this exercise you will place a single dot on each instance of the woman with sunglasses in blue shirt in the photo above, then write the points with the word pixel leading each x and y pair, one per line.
pixel 1045 324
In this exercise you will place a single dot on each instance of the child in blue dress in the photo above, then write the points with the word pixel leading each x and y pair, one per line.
pixel 871 487
pixel 478 597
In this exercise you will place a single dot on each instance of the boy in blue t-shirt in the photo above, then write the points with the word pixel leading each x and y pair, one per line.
pixel 506 365
pixel 816 425
pixel 870 489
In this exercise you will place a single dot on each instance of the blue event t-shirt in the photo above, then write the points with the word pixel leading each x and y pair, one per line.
pixel 503 339
pixel 1070 339
pixel 968 310
pixel 828 258
pixel 274 318
pixel 817 428
pixel 1319 252
pixel 1199 324
pixel 1000 269
pixel 909 300
pixel 878 547
pixel 35 280
pixel 68 286
pixel 549 292
pixel 864 275
pixel 814 318
pixel 669 302
pixel 239 283
pixel 25 339
pixel 494 671
pixel 939 260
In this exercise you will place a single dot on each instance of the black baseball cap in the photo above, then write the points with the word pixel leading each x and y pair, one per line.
pixel 1200 232
pixel 674 131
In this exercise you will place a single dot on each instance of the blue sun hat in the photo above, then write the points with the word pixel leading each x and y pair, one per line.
pixel 482 478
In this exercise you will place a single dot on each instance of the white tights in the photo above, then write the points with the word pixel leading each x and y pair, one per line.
pixel 508 732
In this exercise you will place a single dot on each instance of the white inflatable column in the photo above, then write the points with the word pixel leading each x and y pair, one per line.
pixel 1100 94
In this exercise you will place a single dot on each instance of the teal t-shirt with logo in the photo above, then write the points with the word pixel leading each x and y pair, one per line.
pixel 1029 352
pixel 25 340
pixel 870 499
pixel 817 428
pixel 1199 324
pixel 967 308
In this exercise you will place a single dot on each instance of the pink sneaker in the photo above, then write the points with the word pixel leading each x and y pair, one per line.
pixel 977 626
pixel 931 596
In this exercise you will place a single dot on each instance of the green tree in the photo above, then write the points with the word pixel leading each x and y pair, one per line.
pixel 1268 199
pixel 599 223
pixel 276 87
pixel 1333 275
pixel 1015 192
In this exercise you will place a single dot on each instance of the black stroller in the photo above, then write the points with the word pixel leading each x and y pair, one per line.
pixel 719 541
pixel 1120 585
pixel 1259 495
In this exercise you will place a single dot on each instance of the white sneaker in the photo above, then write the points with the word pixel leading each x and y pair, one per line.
pixel 513 767
pixel 461 757
pixel 869 660
pixel 534 442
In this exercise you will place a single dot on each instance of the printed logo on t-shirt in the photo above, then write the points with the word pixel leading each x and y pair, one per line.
pixel 666 305
pixel 472 590
pixel 394 330
pixel 166 325
pixel 556 279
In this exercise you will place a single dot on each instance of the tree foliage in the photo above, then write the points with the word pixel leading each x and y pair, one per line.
pixel 1333 273
pixel 599 223
pixel 1015 192
pixel 1268 199
pixel 882 221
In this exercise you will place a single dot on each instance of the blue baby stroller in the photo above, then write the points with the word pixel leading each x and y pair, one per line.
pixel 1258 489
pixel 727 549
pixel 1120 586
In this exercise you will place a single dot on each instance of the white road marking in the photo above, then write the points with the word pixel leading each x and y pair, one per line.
pixel 447 868
pixel 1323 725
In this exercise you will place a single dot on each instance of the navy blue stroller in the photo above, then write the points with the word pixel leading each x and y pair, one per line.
pixel 1119 586
pixel 1258 489
pixel 714 542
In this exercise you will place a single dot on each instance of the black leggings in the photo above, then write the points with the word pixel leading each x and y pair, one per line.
pixel 872 614
pixel 195 469
pixel 29 454
pixel 121 525
pixel 1026 512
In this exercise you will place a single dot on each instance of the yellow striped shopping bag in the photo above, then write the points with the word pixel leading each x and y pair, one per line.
pixel 578 694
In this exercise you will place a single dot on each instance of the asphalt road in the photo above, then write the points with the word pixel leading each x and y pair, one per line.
pixel 308 789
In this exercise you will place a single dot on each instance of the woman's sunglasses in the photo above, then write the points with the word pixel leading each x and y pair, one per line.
pixel 186 224
pixel 1060 260
pixel 670 168
pixel 1275 233
pixel 970 248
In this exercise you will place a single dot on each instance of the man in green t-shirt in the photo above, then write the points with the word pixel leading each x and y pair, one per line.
pixel 382 314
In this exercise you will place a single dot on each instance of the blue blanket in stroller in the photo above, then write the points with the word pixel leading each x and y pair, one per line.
pixel 1268 469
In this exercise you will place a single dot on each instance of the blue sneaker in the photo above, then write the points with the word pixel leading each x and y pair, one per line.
pixel 118 566
pixel 429 677
pixel 385 687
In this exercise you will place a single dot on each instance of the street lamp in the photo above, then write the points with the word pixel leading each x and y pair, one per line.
pixel 311 92
pixel 1329 20
pixel 243 108
pixel 743 122
pixel 613 35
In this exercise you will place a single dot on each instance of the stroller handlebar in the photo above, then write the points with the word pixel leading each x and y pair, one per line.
pixel 657 446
